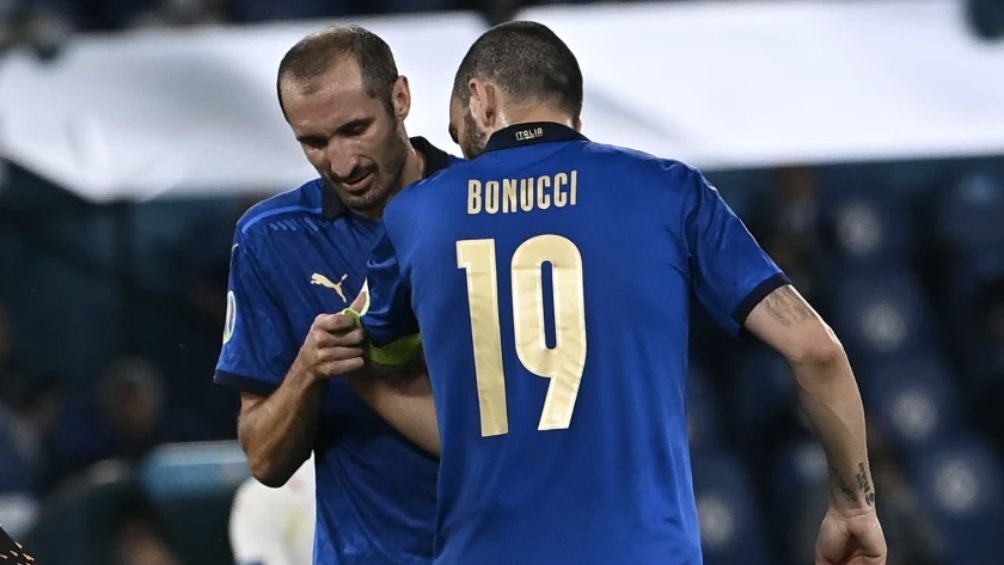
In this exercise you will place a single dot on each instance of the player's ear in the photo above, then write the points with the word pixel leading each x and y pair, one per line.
pixel 483 103
pixel 401 98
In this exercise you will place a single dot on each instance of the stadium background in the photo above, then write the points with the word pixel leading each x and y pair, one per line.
pixel 862 142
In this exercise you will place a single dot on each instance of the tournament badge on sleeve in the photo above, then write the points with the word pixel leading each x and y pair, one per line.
pixel 12 552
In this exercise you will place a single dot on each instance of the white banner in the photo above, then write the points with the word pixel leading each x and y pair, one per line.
pixel 719 84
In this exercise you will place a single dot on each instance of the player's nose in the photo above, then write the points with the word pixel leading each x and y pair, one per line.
pixel 342 159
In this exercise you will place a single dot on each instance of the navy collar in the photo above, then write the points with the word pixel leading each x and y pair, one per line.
pixel 435 160
pixel 532 133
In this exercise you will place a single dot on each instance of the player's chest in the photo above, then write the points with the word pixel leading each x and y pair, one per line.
pixel 322 271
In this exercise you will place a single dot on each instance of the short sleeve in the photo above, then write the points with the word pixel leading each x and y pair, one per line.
pixel 389 317
pixel 258 345
pixel 731 273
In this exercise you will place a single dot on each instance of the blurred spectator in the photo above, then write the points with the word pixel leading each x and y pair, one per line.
pixel 137 537
pixel 101 517
pixel 128 417
pixel 132 399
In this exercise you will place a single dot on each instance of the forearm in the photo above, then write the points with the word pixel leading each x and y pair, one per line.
pixel 829 394
pixel 278 432
pixel 407 405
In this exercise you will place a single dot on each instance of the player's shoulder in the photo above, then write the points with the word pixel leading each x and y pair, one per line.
pixel 638 162
pixel 303 201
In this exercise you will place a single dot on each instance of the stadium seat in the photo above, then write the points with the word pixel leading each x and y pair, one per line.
pixel 866 226
pixel 730 518
pixel 961 489
pixel 880 313
pixel 913 400
pixel 762 392
pixel 969 215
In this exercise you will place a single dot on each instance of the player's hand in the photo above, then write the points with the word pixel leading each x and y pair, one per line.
pixel 850 538
pixel 333 347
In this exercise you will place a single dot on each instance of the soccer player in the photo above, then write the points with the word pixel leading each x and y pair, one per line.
pixel 296 257
pixel 550 277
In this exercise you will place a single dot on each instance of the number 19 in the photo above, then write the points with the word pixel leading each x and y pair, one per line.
pixel 563 363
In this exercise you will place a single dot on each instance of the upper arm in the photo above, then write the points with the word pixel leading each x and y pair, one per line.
pixel 730 272
pixel 786 322
pixel 258 345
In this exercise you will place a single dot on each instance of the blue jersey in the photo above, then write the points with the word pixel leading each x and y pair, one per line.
pixel 550 279
pixel 297 255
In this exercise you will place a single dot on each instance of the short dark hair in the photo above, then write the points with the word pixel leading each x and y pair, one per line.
pixel 315 54
pixel 528 61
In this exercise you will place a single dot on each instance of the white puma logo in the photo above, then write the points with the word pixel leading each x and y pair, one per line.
pixel 321 280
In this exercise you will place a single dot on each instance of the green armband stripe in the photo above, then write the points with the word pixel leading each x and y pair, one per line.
pixel 395 353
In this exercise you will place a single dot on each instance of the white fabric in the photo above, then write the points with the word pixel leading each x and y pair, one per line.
pixel 275 526
pixel 719 84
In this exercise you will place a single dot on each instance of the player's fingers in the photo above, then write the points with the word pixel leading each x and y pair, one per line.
pixel 359 304
pixel 338 368
pixel 352 338
pixel 336 323
pixel 340 353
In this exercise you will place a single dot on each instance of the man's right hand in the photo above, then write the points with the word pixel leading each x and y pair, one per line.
pixel 333 347
pixel 850 538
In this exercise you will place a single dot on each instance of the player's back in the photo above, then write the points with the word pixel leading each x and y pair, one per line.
pixel 551 283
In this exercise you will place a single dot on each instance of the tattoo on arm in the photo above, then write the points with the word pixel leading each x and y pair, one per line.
pixel 786 306
pixel 845 489
pixel 865 485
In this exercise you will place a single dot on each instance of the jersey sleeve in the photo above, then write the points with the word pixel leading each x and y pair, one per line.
pixel 257 341
pixel 389 318
pixel 731 273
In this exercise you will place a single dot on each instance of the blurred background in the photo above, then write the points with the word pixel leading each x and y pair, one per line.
pixel 862 142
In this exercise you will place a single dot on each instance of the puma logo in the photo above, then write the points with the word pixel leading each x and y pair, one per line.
pixel 321 280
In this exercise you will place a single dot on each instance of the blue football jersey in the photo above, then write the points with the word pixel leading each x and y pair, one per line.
pixel 297 255
pixel 550 279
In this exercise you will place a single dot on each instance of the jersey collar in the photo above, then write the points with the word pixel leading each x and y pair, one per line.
pixel 531 133
pixel 435 160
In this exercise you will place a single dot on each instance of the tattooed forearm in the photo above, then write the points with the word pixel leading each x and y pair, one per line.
pixel 865 485
pixel 854 493
pixel 785 305
pixel 845 489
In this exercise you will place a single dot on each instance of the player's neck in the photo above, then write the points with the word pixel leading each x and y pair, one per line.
pixel 414 167
pixel 413 171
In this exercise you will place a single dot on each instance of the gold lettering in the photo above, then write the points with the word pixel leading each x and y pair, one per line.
pixel 492 197
pixel 526 194
pixel 509 196
pixel 473 196
pixel 543 198
pixel 560 198
pixel 575 186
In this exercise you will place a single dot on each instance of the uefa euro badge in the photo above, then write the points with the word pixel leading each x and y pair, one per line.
pixel 228 327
